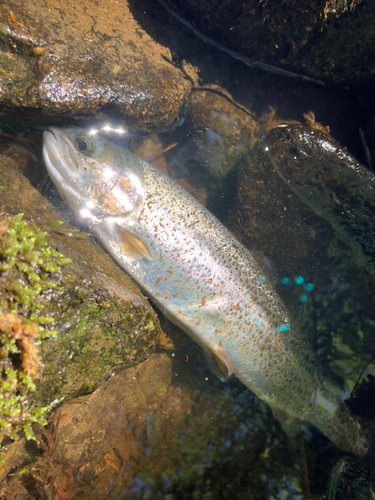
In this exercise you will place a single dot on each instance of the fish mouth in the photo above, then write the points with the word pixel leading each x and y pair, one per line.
pixel 59 169
pixel 54 148
pixel 53 154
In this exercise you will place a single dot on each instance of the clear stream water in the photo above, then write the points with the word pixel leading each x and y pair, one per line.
pixel 229 446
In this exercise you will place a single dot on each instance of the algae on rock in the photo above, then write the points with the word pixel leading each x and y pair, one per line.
pixel 26 263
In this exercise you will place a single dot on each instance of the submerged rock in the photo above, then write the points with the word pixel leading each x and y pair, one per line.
pixel 269 218
pixel 78 59
pixel 145 433
pixel 331 182
pixel 328 292
pixel 219 133
pixel 351 480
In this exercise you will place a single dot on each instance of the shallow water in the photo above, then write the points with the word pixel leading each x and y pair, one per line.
pixel 212 439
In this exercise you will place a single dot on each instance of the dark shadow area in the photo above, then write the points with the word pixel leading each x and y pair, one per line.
pixel 344 110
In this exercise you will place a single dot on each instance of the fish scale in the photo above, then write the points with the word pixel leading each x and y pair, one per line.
pixel 200 277
pixel 213 282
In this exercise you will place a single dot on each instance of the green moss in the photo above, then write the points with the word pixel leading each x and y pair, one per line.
pixel 100 333
pixel 23 246
pixel 26 264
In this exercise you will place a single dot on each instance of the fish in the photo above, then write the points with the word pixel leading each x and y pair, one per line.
pixel 200 277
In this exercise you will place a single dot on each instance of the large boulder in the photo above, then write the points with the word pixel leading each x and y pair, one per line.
pixel 80 59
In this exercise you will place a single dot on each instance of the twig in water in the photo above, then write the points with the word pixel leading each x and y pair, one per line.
pixel 160 153
pixel 13 19
pixel 305 470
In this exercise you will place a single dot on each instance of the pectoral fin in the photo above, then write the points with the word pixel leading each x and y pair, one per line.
pixel 219 363
pixel 132 245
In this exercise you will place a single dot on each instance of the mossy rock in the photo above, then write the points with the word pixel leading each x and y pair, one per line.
pixel 71 316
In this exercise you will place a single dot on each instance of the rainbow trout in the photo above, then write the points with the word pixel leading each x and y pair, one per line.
pixel 199 276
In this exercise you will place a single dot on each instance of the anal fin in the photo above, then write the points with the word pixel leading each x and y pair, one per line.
pixel 219 363
pixel 290 425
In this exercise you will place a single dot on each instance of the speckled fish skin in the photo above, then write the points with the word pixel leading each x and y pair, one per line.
pixel 199 275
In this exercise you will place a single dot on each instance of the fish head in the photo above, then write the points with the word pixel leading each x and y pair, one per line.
pixel 96 178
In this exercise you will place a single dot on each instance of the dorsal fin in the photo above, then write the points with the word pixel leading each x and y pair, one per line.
pixel 132 245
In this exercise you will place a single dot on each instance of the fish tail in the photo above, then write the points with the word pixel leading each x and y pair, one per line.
pixel 335 420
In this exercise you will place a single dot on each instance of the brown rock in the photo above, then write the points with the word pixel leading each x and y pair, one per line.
pixel 94 54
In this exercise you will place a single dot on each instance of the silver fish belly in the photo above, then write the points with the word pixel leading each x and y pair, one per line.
pixel 200 276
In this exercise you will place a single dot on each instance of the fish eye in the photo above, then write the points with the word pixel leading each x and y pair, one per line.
pixel 83 144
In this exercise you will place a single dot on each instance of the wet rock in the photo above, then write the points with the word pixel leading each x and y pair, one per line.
pixel 296 186
pixel 223 134
pixel 331 182
pixel 207 148
pixel 331 40
pixel 115 406
pixel 98 441
pixel 17 456
pixel 79 59
pixel 103 321
pixel 212 108
pixel 351 480
pixel 268 217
